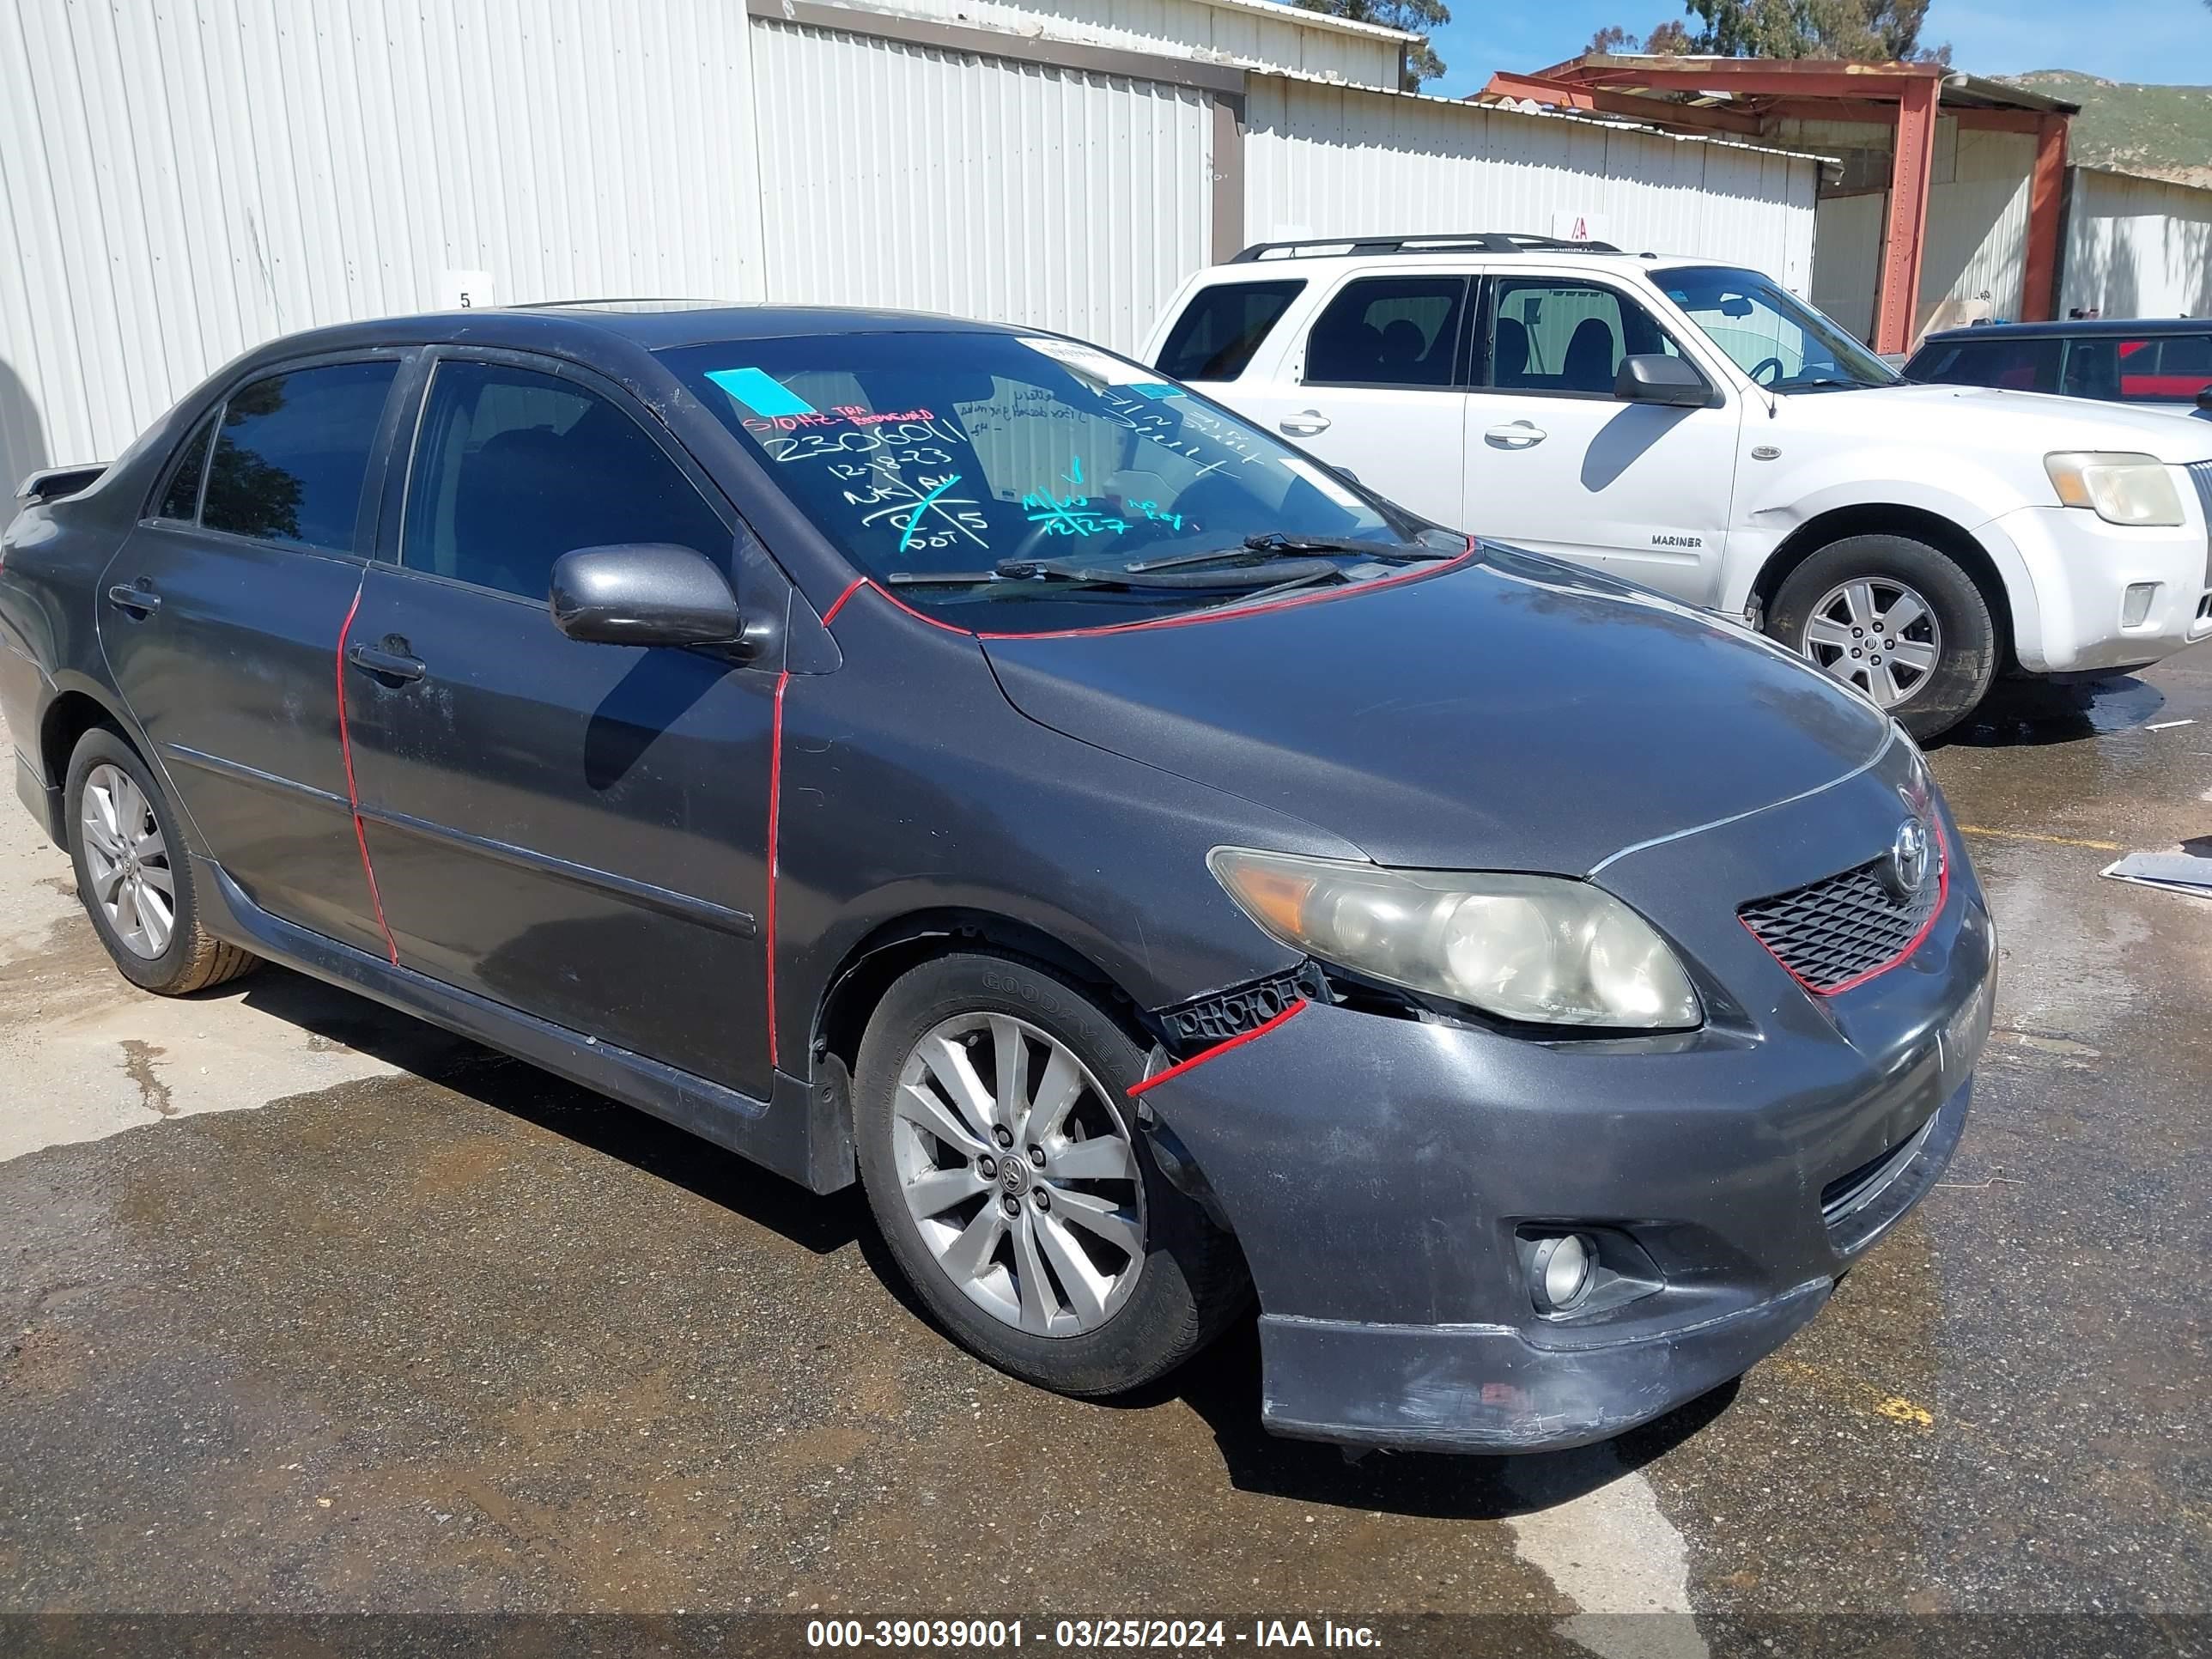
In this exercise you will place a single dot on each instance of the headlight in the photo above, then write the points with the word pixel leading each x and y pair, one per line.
pixel 1535 948
pixel 2119 487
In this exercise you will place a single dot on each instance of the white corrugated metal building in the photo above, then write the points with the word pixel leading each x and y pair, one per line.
pixel 180 179
pixel 2136 247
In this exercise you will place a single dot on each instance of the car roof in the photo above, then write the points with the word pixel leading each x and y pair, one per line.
pixel 654 324
pixel 2134 328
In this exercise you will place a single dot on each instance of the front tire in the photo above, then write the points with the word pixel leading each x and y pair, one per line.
pixel 1015 1189
pixel 134 876
pixel 1898 619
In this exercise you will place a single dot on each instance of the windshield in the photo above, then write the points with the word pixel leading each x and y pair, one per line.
pixel 971 471
pixel 1773 336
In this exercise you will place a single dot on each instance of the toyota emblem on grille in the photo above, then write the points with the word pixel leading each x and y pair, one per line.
pixel 1906 870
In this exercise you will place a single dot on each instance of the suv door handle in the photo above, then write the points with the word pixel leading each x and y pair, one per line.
pixel 1303 425
pixel 385 664
pixel 1516 434
pixel 139 602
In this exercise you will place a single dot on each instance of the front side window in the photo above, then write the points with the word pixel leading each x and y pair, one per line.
pixel 1222 327
pixel 1770 333
pixel 513 467
pixel 292 452
pixel 1552 334
pixel 1029 482
pixel 2017 364
pixel 180 493
pixel 1389 331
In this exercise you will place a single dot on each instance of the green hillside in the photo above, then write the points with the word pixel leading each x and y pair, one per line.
pixel 2163 132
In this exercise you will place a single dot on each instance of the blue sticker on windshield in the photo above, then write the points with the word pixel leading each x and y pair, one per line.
pixel 760 392
pixel 1155 389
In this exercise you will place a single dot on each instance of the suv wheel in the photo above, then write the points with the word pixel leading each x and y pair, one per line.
pixel 134 876
pixel 1006 1167
pixel 1896 618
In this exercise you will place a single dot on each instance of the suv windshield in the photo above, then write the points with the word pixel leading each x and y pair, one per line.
pixel 1773 336
pixel 973 470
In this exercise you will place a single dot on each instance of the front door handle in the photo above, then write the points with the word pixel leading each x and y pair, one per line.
pixel 1517 434
pixel 1303 425
pixel 388 665
pixel 140 602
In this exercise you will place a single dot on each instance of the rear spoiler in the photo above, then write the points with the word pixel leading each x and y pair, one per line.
pixel 51 484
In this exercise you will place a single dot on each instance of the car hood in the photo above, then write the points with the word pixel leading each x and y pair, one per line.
pixel 1510 713
pixel 1988 417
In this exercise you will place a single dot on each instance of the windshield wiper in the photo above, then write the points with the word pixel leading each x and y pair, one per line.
pixel 1274 544
pixel 1810 382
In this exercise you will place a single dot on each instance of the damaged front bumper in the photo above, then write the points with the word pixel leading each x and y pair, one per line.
pixel 1383 1174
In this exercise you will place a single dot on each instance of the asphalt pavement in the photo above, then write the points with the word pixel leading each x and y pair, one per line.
pixel 307 1309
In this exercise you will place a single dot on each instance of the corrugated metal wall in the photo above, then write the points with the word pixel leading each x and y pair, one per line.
pixel 180 181
pixel 1253 31
pixel 1847 264
pixel 2136 247
pixel 1329 160
pixel 1973 263
pixel 895 175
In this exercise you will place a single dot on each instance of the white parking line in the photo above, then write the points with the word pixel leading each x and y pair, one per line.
pixel 1609 1549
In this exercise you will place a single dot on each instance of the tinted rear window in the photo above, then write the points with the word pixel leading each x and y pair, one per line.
pixel 1222 327
pixel 294 453
pixel 2018 365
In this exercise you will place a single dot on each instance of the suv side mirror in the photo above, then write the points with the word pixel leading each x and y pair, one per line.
pixel 2204 400
pixel 1654 378
pixel 643 593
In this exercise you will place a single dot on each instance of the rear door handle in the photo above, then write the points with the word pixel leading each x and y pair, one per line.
pixel 1517 434
pixel 141 601
pixel 385 664
pixel 1305 425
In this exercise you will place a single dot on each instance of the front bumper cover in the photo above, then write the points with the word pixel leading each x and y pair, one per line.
pixel 1379 1171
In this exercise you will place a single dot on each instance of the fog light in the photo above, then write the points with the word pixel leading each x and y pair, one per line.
pixel 1560 1270
pixel 2136 605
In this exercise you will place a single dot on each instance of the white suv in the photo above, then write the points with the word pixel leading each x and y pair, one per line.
pixel 1700 430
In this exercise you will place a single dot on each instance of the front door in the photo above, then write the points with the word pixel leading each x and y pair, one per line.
pixel 220 616
pixel 574 830
pixel 1556 463
pixel 1374 390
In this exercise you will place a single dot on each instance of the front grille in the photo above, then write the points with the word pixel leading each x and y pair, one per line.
pixel 1833 932
pixel 2200 474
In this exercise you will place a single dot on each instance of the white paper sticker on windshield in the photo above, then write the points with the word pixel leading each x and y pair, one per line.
pixel 1325 480
pixel 1088 362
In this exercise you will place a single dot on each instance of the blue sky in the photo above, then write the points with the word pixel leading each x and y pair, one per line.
pixel 2161 40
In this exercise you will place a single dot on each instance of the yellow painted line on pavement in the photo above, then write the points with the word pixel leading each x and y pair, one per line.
pixel 2053 840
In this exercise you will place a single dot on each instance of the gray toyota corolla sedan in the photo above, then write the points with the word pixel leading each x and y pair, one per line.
pixel 948 757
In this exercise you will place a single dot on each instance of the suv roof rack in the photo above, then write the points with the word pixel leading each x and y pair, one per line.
pixel 1476 241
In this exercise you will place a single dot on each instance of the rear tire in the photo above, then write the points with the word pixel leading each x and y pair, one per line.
pixel 1925 644
pixel 134 876
pixel 1101 1322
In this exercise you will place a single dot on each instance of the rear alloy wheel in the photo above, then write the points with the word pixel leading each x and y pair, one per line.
pixel 1897 620
pixel 134 876
pixel 1010 1180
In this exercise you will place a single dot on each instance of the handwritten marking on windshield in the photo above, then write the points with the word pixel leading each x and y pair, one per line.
pixel 913 522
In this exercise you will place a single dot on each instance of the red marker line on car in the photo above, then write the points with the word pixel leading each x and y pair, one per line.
pixel 353 791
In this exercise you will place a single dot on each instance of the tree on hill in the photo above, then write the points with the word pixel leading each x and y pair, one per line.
pixel 1856 31
pixel 1421 18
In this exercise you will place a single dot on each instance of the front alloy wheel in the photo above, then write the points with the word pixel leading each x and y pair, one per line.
pixel 1019 1173
pixel 1014 1185
pixel 1876 634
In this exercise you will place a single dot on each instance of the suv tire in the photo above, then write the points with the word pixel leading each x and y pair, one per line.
pixel 127 851
pixel 1181 1286
pixel 1834 604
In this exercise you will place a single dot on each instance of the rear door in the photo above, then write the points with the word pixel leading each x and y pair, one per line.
pixel 220 616
pixel 1556 463
pixel 1372 385
pixel 574 830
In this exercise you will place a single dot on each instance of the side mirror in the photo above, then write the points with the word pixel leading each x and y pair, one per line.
pixel 643 593
pixel 2204 400
pixel 1656 378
